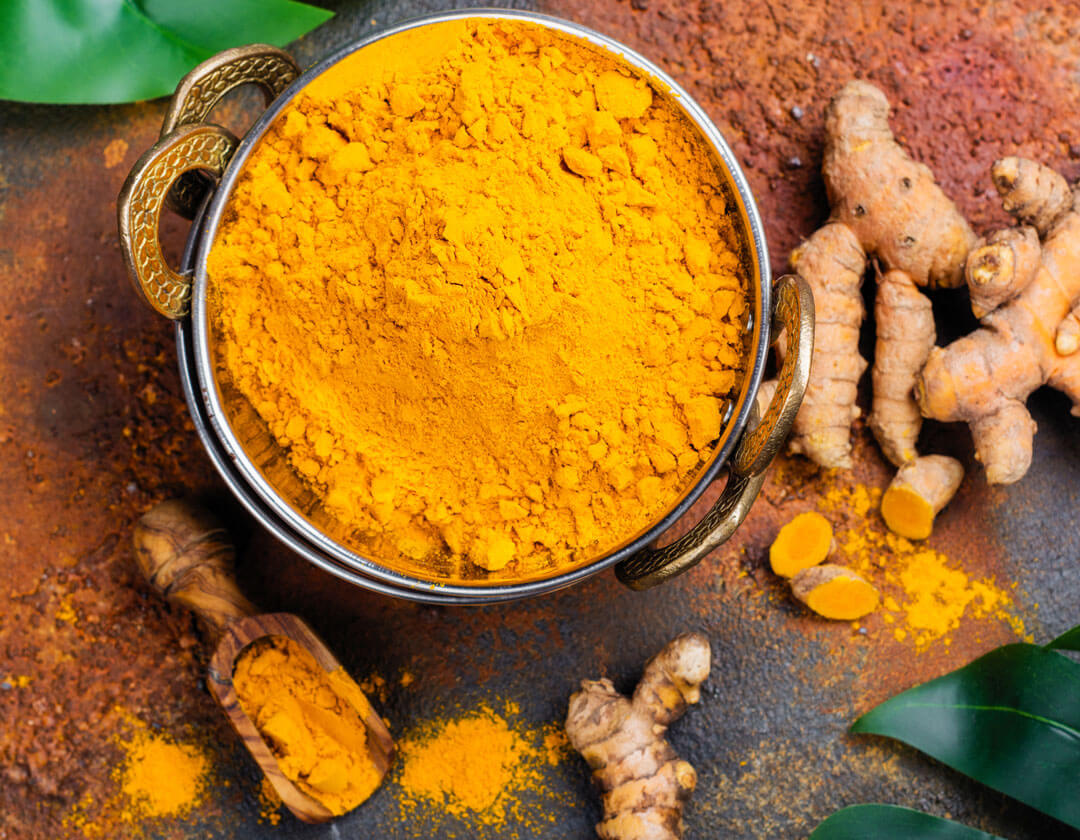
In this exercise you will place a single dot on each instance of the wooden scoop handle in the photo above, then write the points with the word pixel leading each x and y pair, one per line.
pixel 186 554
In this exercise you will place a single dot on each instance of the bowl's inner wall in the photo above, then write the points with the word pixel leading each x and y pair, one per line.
pixel 272 463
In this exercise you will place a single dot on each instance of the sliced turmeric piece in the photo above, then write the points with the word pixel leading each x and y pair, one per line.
pixel 804 542
pixel 834 592
pixel 917 494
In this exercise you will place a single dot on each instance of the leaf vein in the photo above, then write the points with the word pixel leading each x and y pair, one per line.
pixel 1069 730
pixel 198 52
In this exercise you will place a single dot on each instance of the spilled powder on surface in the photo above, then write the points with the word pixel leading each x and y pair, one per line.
pixel 160 777
pixel 476 766
pixel 270 803
pixel 925 594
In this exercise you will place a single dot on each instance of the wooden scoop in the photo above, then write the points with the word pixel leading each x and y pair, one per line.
pixel 187 555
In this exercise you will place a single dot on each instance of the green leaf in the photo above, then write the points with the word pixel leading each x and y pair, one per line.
pixel 890 822
pixel 1069 640
pixel 1010 719
pixel 103 51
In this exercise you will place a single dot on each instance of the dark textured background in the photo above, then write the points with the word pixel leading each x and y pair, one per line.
pixel 93 430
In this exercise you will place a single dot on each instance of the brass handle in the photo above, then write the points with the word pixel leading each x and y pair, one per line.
pixel 793 312
pixel 270 69
pixel 195 147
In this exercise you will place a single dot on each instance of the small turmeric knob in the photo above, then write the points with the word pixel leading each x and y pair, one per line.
pixel 186 554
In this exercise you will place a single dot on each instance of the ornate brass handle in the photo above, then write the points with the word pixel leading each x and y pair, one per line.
pixel 199 92
pixel 194 147
pixel 794 312
pixel 190 156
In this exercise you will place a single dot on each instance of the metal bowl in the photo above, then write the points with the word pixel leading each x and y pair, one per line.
pixel 193 169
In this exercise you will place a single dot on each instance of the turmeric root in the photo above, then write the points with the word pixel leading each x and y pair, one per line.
pixel 905 336
pixel 803 542
pixel 887 205
pixel 832 263
pixel 766 392
pixel 895 208
pixel 835 592
pixel 1033 194
pixel 985 378
pixel 644 784
pixel 917 494
pixel 1067 340
pixel 1001 267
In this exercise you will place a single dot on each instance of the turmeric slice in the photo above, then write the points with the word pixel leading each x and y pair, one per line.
pixel 834 592
pixel 803 542
pixel 918 492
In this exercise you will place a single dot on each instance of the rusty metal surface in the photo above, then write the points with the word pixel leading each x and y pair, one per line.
pixel 93 431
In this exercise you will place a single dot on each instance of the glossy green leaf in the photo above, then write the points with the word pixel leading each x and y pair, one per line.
pixel 890 822
pixel 101 51
pixel 1010 719
pixel 1069 640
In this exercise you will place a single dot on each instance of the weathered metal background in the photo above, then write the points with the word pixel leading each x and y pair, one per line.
pixel 93 431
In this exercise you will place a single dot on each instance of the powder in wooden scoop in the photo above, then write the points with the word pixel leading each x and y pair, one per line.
pixel 312 720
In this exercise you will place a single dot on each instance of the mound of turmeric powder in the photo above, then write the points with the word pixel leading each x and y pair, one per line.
pixel 480 282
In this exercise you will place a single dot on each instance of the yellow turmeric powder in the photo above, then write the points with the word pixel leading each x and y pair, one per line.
pixel 480 282
pixel 482 766
pixel 926 594
pixel 312 720
pixel 467 764
pixel 160 777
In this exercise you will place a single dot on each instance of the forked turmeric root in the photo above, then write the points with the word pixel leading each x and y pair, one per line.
pixel 887 205
pixel 1028 296
pixel 644 783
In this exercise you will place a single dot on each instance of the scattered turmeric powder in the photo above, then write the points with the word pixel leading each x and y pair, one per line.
pixel 925 594
pixel 160 777
pixel 480 282
pixel 475 766
pixel 66 611
pixel 803 542
pixel 270 803
pixel 312 720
